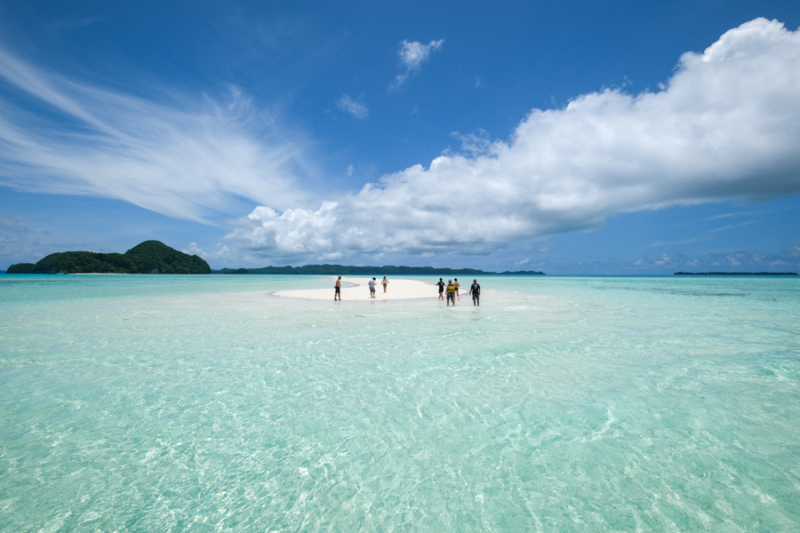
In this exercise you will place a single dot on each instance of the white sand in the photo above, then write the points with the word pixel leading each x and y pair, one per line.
pixel 398 289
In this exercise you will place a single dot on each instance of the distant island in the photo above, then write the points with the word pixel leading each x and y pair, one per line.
pixel 340 270
pixel 149 257
pixel 735 273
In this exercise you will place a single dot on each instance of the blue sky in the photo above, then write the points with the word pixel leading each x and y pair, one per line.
pixel 570 137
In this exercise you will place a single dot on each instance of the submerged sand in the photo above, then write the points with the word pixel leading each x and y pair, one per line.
pixel 355 289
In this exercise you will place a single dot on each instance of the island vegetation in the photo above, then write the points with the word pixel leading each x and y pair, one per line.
pixel 389 270
pixel 735 273
pixel 149 257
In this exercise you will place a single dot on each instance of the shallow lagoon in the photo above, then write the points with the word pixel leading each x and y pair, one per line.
pixel 158 403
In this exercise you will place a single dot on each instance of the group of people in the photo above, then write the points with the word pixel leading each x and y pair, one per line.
pixel 337 289
pixel 453 290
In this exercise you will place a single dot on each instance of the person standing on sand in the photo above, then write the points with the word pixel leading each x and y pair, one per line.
pixel 372 288
pixel 441 289
pixel 458 289
pixel 475 291
pixel 337 295
pixel 384 282
pixel 451 293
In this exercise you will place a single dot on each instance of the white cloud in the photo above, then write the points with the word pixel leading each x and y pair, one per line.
pixel 357 108
pixel 725 126
pixel 731 226
pixel 184 157
pixel 677 243
pixel 350 170
pixel 412 55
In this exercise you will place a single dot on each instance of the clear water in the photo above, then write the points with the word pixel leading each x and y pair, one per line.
pixel 157 403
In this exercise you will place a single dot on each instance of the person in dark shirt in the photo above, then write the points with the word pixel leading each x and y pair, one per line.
pixel 475 291
pixel 441 289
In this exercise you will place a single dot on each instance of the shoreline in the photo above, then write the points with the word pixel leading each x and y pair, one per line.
pixel 356 289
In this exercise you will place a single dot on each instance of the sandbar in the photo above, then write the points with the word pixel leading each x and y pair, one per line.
pixel 357 289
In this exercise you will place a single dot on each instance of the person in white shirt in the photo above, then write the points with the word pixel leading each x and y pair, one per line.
pixel 372 288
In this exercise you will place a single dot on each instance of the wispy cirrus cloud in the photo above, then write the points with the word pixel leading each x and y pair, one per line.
pixel 725 126
pixel 412 55
pixel 357 108
pixel 731 226
pixel 703 237
pixel 729 215
pixel 181 156
pixel 677 243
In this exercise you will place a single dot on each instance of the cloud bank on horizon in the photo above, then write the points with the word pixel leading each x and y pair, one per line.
pixel 725 126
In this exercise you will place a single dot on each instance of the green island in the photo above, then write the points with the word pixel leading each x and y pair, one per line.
pixel 735 273
pixel 149 257
pixel 389 270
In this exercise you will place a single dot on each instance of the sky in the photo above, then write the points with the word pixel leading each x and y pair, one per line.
pixel 570 137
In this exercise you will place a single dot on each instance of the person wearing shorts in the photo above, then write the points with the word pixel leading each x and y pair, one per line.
pixel 337 294
pixel 475 291
pixel 441 289
pixel 451 293
pixel 372 288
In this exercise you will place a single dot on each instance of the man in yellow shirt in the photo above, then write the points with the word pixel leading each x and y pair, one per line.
pixel 451 293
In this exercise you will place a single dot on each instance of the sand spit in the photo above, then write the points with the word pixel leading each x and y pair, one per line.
pixel 356 289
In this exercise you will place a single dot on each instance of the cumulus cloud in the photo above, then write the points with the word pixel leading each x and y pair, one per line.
pixel 725 126
pixel 357 108
pixel 183 157
pixel 412 55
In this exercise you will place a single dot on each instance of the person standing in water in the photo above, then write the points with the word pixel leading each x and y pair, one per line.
pixel 451 293
pixel 441 289
pixel 372 288
pixel 384 282
pixel 458 289
pixel 475 291
pixel 337 290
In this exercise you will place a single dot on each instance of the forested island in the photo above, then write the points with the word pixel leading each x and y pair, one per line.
pixel 340 270
pixel 149 257
pixel 735 273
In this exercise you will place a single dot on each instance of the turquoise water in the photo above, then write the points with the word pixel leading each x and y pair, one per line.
pixel 157 403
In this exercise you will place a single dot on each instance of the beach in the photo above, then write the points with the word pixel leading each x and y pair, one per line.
pixel 357 289
pixel 159 403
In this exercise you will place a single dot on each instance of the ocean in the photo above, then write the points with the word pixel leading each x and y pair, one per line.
pixel 204 403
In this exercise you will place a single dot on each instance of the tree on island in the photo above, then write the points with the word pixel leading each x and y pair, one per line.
pixel 149 257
